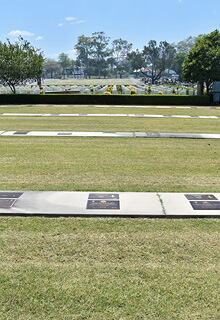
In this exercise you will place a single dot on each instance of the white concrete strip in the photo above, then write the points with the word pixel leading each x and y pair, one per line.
pixel 109 134
pixel 130 204
pixel 177 204
pixel 104 115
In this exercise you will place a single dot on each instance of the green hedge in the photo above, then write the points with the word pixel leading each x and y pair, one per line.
pixel 104 99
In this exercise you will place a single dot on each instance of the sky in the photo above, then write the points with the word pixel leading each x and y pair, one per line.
pixel 55 25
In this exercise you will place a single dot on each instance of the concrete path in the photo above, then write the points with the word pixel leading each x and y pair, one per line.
pixel 110 204
pixel 104 115
pixel 109 134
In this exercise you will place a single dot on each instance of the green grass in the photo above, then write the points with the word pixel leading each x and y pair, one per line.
pixel 126 269
pixel 110 124
pixel 150 165
pixel 109 269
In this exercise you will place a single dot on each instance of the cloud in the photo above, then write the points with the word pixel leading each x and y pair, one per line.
pixel 39 38
pixel 78 21
pixel 60 24
pixel 70 18
pixel 16 33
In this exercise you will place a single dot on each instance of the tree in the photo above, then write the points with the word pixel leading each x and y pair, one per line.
pixel 120 50
pixel 202 63
pixel 64 61
pixel 84 51
pixel 52 67
pixel 184 46
pixel 99 50
pixel 136 59
pixel 19 63
pixel 177 64
pixel 159 57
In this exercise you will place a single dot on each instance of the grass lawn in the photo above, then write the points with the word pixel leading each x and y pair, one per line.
pixel 109 269
pixel 123 164
pixel 126 269
pixel 110 124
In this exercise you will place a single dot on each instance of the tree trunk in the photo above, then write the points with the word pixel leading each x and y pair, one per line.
pixel 200 88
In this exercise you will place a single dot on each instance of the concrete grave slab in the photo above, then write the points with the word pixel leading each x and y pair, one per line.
pixel 62 203
pixel 177 205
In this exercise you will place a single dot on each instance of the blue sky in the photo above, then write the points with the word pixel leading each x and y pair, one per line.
pixel 54 25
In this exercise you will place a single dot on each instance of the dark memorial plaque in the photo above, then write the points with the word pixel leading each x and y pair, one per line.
pixel 200 197
pixel 103 204
pixel 153 135
pixel 64 133
pixel 21 132
pixel 6 203
pixel 105 196
pixel 10 195
pixel 205 205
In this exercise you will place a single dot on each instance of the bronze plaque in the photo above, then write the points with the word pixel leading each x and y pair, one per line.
pixel 205 205
pixel 10 195
pixel 105 196
pixel 200 197
pixel 103 204
pixel 64 133
pixel 21 132
pixel 7 203
pixel 153 135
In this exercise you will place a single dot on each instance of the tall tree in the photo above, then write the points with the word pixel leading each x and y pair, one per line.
pixel 177 64
pixel 19 62
pixel 52 67
pixel 84 51
pixel 158 57
pixel 120 50
pixel 202 63
pixel 136 59
pixel 64 60
pixel 184 46
pixel 100 50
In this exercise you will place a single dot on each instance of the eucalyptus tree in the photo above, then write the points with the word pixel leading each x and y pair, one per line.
pixel 52 67
pixel 84 51
pixel 158 57
pixel 100 50
pixel 120 50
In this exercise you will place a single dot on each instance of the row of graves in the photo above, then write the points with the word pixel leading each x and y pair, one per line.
pixel 99 89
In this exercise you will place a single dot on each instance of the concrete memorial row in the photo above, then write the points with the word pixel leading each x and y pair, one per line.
pixel 117 204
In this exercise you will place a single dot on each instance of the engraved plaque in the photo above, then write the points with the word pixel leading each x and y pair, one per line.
pixel 103 204
pixel 64 133
pixel 200 197
pixel 205 205
pixel 6 203
pixel 105 196
pixel 10 195
pixel 21 132
pixel 153 135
